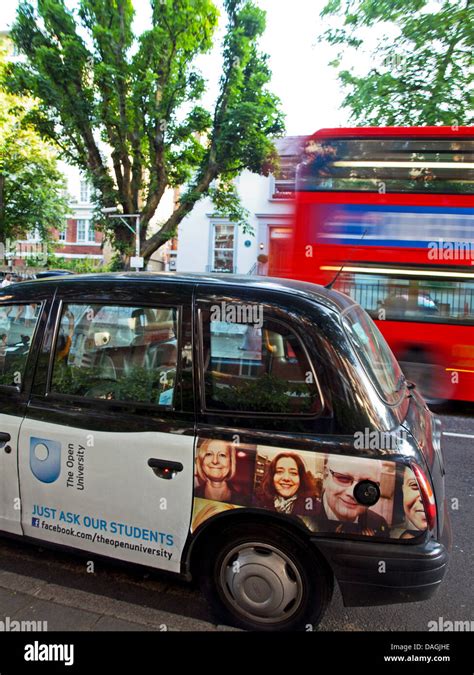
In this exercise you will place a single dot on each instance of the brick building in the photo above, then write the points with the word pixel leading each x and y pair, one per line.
pixel 79 239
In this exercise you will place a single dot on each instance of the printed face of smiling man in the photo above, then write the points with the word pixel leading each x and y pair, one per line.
pixel 341 475
pixel 412 504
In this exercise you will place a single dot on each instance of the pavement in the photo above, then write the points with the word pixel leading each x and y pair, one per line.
pixel 25 598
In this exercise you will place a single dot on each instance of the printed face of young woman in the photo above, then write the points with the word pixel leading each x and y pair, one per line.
pixel 286 478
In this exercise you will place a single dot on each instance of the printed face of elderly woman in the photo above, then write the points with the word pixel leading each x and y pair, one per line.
pixel 215 459
pixel 215 466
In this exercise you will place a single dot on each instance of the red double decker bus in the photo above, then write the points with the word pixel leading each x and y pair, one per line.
pixel 387 215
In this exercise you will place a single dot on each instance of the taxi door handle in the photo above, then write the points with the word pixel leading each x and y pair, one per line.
pixel 4 439
pixel 164 468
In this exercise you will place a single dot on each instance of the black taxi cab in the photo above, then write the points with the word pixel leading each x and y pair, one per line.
pixel 254 433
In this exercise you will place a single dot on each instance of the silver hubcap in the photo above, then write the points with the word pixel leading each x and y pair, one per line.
pixel 261 582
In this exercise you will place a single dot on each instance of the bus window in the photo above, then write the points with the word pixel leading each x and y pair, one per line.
pixel 388 298
pixel 401 165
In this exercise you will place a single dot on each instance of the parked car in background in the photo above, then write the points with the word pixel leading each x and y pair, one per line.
pixel 52 273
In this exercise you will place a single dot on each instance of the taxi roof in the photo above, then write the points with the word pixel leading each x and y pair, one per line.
pixel 327 296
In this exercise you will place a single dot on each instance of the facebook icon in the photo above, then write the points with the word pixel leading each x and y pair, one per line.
pixel 35 522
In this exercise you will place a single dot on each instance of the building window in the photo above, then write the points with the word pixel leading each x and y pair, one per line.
pixel 81 230
pixel 284 181
pixel 85 191
pixel 62 235
pixel 85 231
pixel 34 235
pixel 224 243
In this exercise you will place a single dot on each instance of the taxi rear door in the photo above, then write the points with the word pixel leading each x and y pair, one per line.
pixel 106 459
pixel 23 313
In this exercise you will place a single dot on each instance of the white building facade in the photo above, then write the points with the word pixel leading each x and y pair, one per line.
pixel 208 242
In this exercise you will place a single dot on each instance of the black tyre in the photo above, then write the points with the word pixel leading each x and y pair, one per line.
pixel 264 578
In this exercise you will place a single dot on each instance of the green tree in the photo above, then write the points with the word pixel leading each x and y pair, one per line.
pixel 101 86
pixel 421 76
pixel 31 185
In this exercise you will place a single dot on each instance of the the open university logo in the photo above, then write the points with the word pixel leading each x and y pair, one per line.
pixel 45 459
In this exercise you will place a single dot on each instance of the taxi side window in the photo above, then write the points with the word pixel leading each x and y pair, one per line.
pixel 114 352
pixel 17 326
pixel 257 367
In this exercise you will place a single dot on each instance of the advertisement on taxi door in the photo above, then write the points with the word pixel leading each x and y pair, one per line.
pixel 331 493
pixel 96 491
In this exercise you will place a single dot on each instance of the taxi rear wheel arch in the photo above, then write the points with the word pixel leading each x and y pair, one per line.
pixel 264 577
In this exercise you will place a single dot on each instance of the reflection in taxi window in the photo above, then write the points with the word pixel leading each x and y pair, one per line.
pixel 374 353
pixel 117 353
pixel 17 325
pixel 257 369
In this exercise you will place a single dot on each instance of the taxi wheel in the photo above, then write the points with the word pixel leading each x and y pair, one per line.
pixel 264 578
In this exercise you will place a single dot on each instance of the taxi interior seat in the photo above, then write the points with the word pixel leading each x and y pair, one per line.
pixel 163 357
pixel 154 348
pixel 151 325
pixel 154 344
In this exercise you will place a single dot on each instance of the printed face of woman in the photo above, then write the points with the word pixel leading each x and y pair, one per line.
pixel 216 461
pixel 286 478
pixel 412 503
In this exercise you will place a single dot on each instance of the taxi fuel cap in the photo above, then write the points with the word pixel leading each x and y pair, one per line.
pixel 367 492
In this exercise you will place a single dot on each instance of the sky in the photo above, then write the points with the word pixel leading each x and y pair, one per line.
pixel 302 78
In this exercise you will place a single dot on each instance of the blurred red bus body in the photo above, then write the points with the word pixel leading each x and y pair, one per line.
pixel 389 213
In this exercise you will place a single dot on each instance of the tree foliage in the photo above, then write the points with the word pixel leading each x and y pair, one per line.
pixel 102 87
pixel 31 185
pixel 423 76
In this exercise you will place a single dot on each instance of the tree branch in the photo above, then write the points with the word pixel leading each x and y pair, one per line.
pixel 440 76
pixel 185 207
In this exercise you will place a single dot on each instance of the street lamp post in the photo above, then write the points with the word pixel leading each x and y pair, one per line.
pixel 137 236
pixel 109 211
